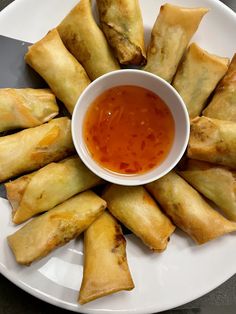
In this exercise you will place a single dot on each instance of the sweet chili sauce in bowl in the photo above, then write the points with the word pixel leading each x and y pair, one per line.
pixel 130 127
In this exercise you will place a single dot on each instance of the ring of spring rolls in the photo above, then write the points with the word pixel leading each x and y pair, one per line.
pixel 26 107
pixel 85 40
pixel 59 68
pixel 171 33
pixel 49 186
pixel 197 77
pixel 188 210
pixel 106 268
pixel 215 182
pixel 56 227
pixel 136 209
pixel 223 103
pixel 213 140
pixel 122 23
pixel 33 148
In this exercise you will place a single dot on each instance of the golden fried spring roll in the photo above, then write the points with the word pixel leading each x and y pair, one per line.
pixel 33 148
pixel 197 77
pixel 171 33
pixel 47 187
pixel 188 210
pixel 135 208
pixel 54 228
pixel 26 107
pixel 59 68
pixel 84 39
pixel 215 182
pixel 106 268
pixel 223 103
pixel 213 140
pixel 122 24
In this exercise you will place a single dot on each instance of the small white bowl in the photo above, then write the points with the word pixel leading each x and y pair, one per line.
pixel 152 83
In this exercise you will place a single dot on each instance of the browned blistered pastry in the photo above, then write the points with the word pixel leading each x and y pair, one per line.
pixel 33 148
pixel 135 208
pixel 56 227
pixel 215 182
pixel 49 186
pixel 171 33
pixel 223 103
pixel 213 140
pixel 122 23
pixel 198 76
pixel 106 268
pixel 26 107
pixel 85 40
pixel 188 210
pixel 59 68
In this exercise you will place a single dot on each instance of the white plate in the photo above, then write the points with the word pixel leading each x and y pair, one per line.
pixel 184 271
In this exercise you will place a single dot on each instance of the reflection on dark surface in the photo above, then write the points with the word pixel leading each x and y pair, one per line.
pixel 17 72
pixel 232 5
pixel 13 300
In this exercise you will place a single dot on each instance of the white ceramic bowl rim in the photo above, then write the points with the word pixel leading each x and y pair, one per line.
pixel 149 81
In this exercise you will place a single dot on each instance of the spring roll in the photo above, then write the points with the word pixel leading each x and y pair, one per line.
pixel 217 183
pixel 135 208
pixel 49 186
pixel 26 107
pixel 84 39
pixel 59 68
pixel 171 33
pixel 213 140
pixel 54 228
pixel 223 103
pixel 197 77
pixel 188 210
pixel 33 148
pixel 106 268
pixel 122 24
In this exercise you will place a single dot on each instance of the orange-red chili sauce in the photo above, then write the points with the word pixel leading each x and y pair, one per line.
pixel 128 129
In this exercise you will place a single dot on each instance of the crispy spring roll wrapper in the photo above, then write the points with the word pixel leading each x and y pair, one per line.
pixel 33 148
pixel 171 33
pixel 217 183
pixel 49 186
pixel 59 68
pixel 106 268
pixel 122 24
pixel 213 140
pixel 85 40
pixel 136 209
pixel 54 228
pixel 197 77
pixel 223 103
pixel 26 107
pixel 188 210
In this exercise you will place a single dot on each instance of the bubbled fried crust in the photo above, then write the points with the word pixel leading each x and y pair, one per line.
pixel 105 268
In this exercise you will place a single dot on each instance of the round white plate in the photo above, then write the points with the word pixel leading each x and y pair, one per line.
pixel 184 271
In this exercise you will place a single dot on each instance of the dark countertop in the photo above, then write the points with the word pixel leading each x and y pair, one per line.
pixel 220 301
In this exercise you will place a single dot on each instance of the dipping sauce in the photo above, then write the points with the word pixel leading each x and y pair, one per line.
pixel 128 129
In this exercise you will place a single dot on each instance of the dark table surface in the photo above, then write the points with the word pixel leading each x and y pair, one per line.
pixel 220 301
